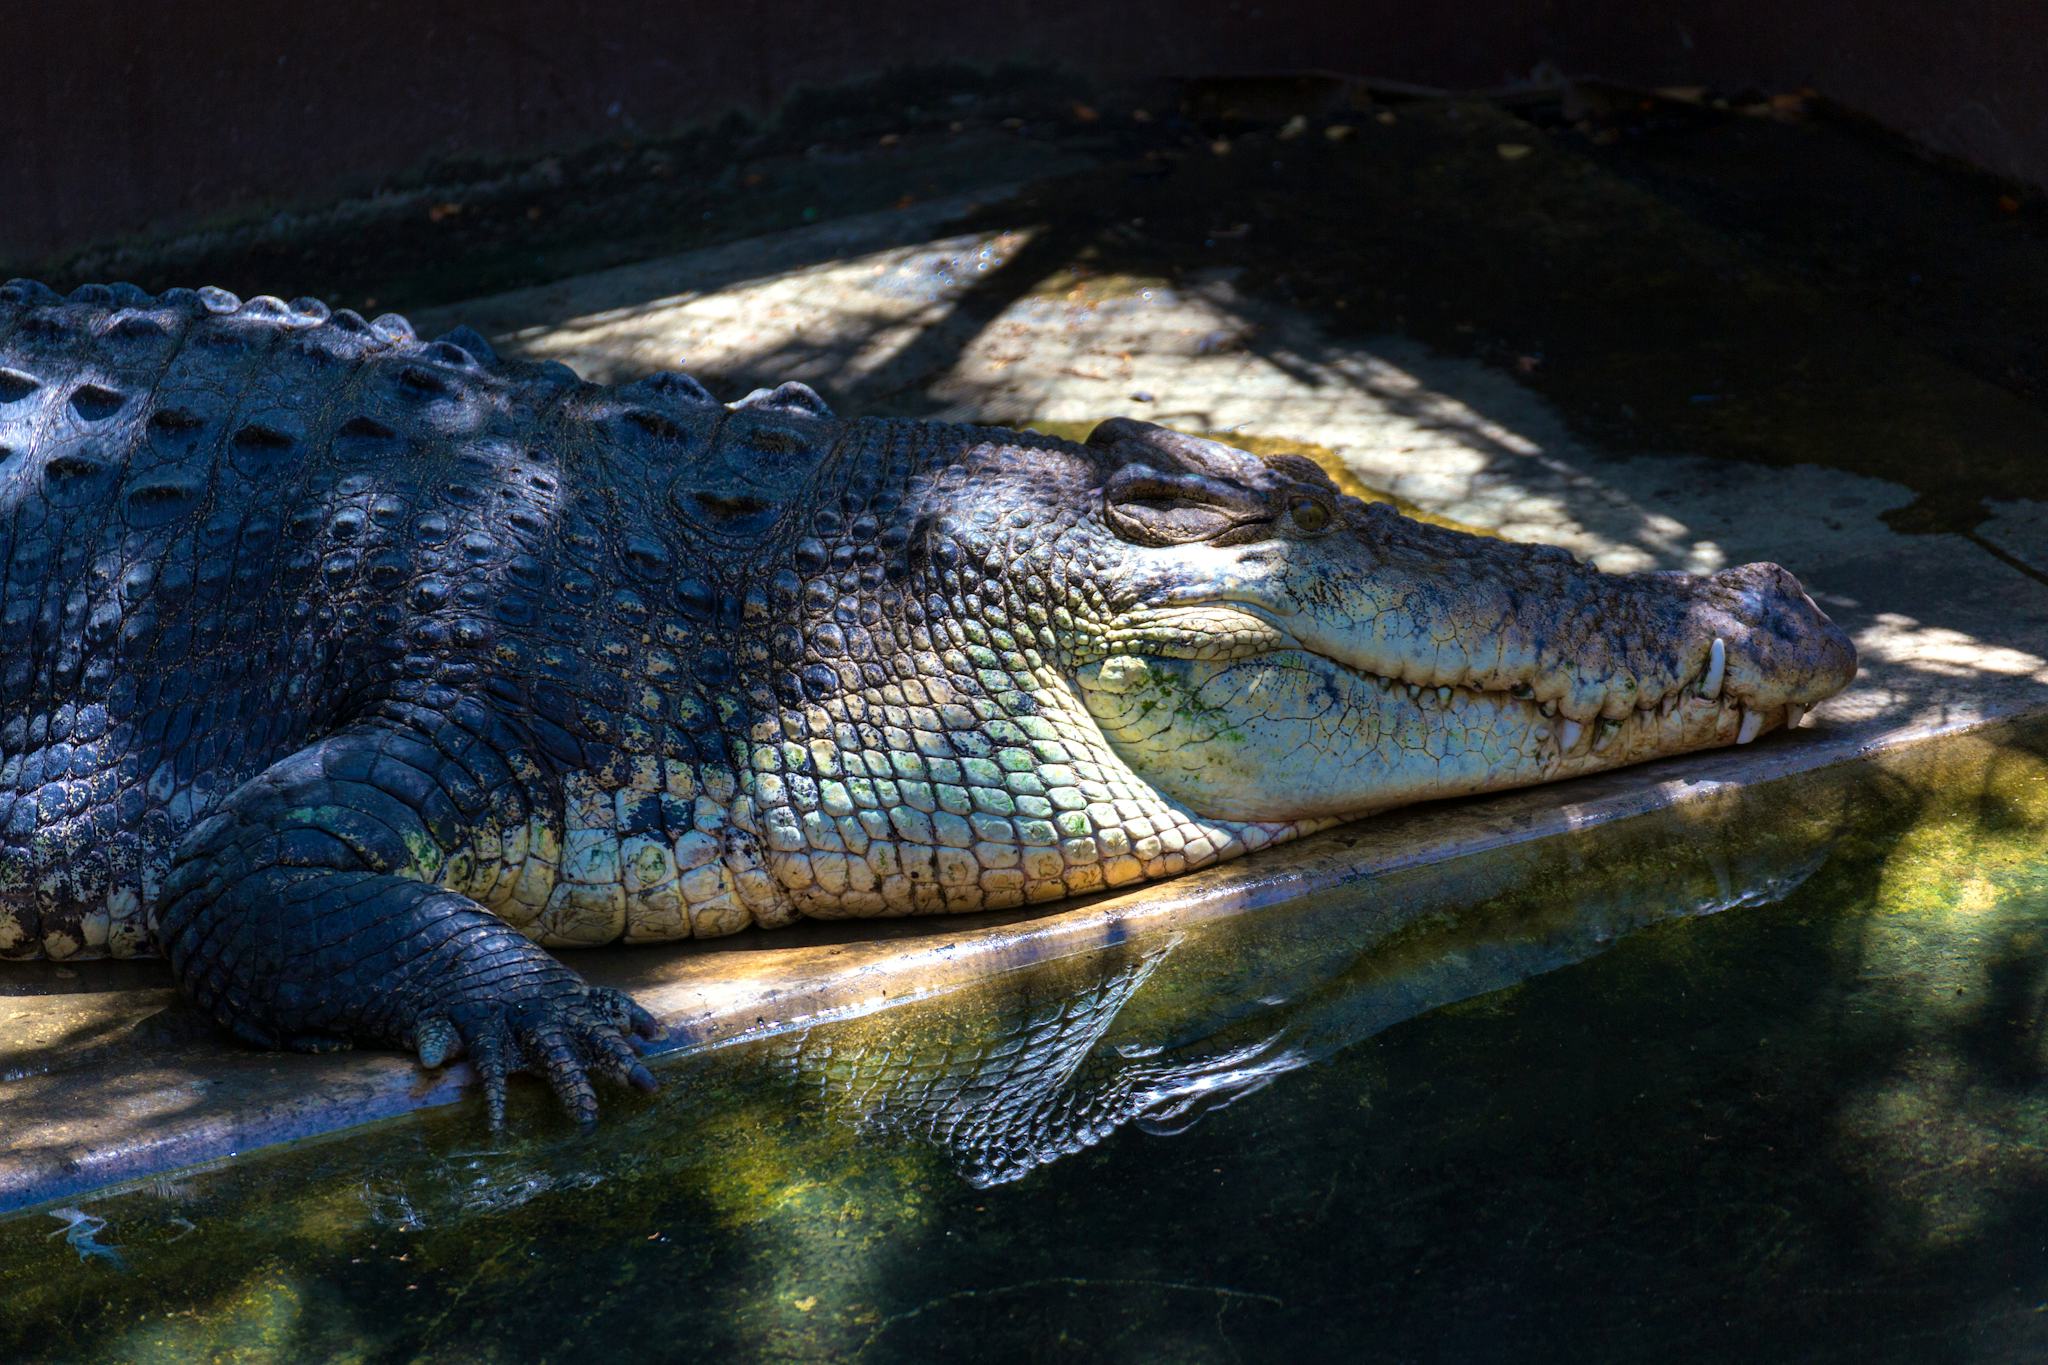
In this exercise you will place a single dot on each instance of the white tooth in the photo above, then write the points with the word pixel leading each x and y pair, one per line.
pixel 1752 721
pixel 1668 705
pixel 1568 735
pixel 1717 667
pixel 1604 736
pixel 1414 692
pixel 1443 695
pixel 1550 708
pixel 1795 716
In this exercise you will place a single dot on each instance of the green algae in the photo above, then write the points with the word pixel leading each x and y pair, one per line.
pixel 1750 1077
pixel 1084 282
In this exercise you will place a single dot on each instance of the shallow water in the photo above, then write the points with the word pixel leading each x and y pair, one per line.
pixel 1761 1078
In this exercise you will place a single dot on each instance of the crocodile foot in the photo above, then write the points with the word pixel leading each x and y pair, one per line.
pixel 548 1024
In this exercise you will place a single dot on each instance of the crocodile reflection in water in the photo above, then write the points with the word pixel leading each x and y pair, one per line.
pixel 1162 1030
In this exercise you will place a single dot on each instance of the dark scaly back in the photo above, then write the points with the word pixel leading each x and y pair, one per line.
pixel 226 526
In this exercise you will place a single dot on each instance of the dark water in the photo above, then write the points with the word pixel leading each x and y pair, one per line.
pixel 1759 1082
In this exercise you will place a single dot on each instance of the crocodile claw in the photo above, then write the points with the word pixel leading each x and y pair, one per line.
pixel 567 1037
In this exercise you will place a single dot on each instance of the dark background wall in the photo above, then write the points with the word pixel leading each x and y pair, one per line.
pixel 118 118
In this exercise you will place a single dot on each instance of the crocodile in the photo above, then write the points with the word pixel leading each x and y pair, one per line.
pixel 351 671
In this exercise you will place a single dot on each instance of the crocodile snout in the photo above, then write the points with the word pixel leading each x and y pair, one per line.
pixel 1787 652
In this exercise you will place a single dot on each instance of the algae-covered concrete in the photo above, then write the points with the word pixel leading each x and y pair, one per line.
pixel 1521 325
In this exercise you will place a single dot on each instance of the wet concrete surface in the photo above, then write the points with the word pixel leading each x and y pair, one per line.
pixel 1528 327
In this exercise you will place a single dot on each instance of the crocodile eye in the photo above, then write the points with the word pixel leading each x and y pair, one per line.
pixel 1150 508
pixel 1310 515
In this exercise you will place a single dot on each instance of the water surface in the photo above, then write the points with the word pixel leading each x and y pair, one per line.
pixel 1761 1078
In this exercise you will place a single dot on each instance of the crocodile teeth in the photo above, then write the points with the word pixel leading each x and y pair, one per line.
pixel 1414 692
pixel 1717 668
pixel 1568 735
pixel 1752 722
pixel 1443 696
pixel 1795 716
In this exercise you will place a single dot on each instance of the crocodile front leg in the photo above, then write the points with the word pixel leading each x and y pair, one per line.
pixel 297 917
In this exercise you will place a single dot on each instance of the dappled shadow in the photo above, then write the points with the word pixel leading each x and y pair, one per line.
pixel 94 976
pixel 1558 357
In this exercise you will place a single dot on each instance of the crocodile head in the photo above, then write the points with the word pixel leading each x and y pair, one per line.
pixel 1259 647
